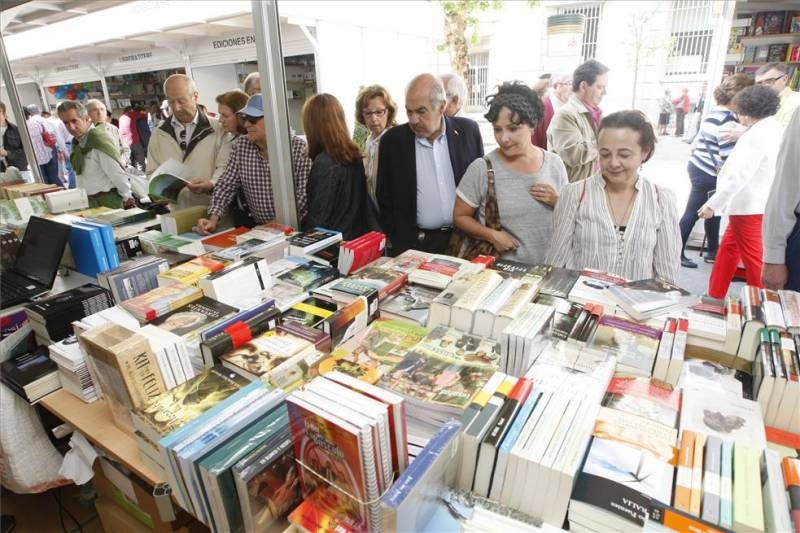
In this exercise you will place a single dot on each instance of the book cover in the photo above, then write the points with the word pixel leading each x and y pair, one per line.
pixel 638 431
pixel 171 410
pixel 264 353
pixel 454 345
pixel 559 282
pixel 224 239
pixel 169 179
pixel 313 240
pixel 268 487
pixel 723 415
pixel 308 275
pixel 157 302
pixel 374 352
pixel 386 281
pixel 194 316
pixel 26 369
pixel 325 444
pixel 317 337
pixel 635 345
pixel 237 334
pixel 412 303
pixel 515 269
pixel 351 319
pixel 642 397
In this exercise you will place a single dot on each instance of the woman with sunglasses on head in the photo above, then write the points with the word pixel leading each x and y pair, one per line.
pixel 376 111
pixel 248 172
pixel 743 187
pixel 337 185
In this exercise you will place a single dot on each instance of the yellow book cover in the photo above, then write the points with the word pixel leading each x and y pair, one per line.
pixel 188 273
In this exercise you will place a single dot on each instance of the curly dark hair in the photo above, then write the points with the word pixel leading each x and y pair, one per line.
pixel 636 121
pixel 756 101
pixel 521 100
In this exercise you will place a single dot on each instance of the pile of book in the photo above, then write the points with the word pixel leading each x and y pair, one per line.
pixel 31 375
pixel 72 369
pixel 349 442
pixel 133 277
pixel 776 380
pixel 51 317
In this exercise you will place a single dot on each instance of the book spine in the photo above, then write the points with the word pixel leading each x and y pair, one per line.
pixel 711 480
pixel 683 480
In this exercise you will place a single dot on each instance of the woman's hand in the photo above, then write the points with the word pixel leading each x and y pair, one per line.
pixel 705 212
pixel 544 193
pixel 502 241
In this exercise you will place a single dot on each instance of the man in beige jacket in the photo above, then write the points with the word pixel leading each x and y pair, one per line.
pixel 192 138
pixel 572 133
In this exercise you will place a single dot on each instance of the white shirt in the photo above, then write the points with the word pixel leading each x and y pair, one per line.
pixel 745 179
pixel 101 174
pixel 783 207
pixel 436 185
pixel 178 126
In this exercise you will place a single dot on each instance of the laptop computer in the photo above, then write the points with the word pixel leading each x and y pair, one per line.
pixel 36 266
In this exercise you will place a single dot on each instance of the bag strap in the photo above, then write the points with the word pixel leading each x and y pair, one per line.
pixel 491 209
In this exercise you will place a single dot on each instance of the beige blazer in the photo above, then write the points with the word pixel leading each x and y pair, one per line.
pixel 572 135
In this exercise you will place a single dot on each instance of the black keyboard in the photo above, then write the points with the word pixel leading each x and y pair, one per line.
pixel 14 289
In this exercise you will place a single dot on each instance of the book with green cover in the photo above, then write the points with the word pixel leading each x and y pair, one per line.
pixel 371 354
pixel 748 513
pixel 215 470
pixel 174 408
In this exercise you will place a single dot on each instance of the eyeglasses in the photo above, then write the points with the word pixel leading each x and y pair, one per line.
pixel 770 81
pixel 251 120
pixel 378 113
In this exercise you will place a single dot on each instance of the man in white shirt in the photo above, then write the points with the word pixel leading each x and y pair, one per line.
pixel 95 159
pixel 97 112
pixel 781 224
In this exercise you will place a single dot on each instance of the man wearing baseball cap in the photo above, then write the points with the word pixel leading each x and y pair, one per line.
pixel 248 172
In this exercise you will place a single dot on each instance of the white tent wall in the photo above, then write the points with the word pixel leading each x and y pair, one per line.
pixel 214 80
pixel 28 94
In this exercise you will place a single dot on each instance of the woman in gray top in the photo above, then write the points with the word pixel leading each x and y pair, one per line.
pixel 527 180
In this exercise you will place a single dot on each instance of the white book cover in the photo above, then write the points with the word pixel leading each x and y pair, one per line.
pixel 526 292
pixel 463 310
pixel 591 287
pixel 485 314
pixel 790 302
pixel 724 415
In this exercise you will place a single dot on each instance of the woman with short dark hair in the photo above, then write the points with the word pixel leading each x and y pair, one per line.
pixel 337 188
pixel 743 187
pixel 713 144
pixel 617 221
pixel 525 181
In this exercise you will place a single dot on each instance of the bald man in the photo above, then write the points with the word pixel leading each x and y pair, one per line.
pixel 190 137
pixel 420 164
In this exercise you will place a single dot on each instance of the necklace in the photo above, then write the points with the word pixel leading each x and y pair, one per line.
pixel 617 222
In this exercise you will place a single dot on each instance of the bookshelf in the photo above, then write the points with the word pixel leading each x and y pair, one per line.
pixel 760 38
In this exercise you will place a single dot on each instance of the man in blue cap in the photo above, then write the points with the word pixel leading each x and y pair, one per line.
pixel 248 172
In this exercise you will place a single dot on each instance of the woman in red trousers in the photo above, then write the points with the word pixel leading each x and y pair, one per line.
pixel 743 186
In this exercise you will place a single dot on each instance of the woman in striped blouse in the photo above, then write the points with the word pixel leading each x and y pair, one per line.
pixel 713 144
pixel 617 221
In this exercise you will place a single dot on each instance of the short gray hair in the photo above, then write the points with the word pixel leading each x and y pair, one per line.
pixel 250 80
pixel 438 95
pixel 186 79
pixel 783 68
pixel 68 105
pixel 94 102
pixel 454 86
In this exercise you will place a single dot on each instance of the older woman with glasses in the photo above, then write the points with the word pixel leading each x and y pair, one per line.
pixel 375 110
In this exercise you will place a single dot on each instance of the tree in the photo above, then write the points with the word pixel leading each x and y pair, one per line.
pixel 642 45
pixel 459 17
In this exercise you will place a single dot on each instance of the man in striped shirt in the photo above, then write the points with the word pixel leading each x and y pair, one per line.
pixel 711 148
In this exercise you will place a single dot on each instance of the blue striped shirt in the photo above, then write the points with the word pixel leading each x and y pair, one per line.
pixel 709 152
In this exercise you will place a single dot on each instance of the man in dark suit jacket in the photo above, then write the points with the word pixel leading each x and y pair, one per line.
pixel 419 167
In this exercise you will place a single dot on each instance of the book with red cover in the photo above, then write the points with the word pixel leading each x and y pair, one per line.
pixel 226 239
pixel 332 448
pixel 361 251
pixel 214 265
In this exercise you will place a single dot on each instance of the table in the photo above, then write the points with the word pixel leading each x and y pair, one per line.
pixel 94 421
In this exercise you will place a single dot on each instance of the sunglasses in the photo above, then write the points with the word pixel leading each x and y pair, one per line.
pixel 251 120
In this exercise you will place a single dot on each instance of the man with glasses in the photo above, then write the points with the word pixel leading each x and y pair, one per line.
pixel 190 137
pixel 559 95
pixel 420 164
pixel 776 76
pixel 248 171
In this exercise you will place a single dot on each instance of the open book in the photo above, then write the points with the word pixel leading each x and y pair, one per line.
pixel 169 179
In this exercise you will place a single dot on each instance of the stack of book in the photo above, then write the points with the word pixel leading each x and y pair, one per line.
pixel 154 242
pixel 594 287
pixel 524 338
pixel 31 375
pixel 347 453
pixel 505 304
pixel 671 351
pixel 440 270
pixel 173 358
pixel 72 370
pixel 200 455
pixel 236 330
pixel 648 298
pixel 312 241
pixel 385 281
pixel 51 317
pixel 360 252
pixel 440 376
pixel 133 277
pixel 776 380
pixel 271 250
